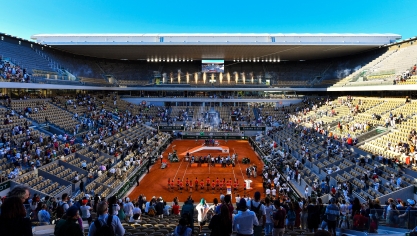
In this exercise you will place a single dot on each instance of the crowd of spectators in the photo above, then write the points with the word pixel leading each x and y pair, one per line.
pixel 14 73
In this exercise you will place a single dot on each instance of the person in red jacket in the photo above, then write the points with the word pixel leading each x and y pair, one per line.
pixel 191 186
pixel 172 185
pixel 208 183
pixel 187 184
pixel 196 183
pixel 175 209
pixel 181 185
pixel 202 184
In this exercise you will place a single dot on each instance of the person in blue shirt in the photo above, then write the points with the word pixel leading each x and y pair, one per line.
pixel 44 216
pixel 102 210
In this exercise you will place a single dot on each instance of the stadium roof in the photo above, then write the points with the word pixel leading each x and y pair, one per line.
pixel 291 47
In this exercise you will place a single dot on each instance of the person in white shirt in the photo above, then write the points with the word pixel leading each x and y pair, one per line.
pixel 245 219
pixel 136 214
pixel 128 208
pixel 237 199
pixel 85 211
pixel 254 204
pixel 268 192
pixel 269 209
pixel 202 209
pixel 273 192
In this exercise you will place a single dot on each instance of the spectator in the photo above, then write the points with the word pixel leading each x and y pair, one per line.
pixel 13 219
pixel 182 228
pixel 21 192
pixel 106 219
pixel 279 219
pixel 202 209
pixel 128 209
pixel 332 213
pixel 187 212
pixel 67 225
pixel 244 220
pixel 221 224
pixel 159 208
pixel 175 209
pixel 43 215
pixel 313 218
pixel 136 213
pixel 269 209
pixel 359 221
pixel 85 211
pixel 259 209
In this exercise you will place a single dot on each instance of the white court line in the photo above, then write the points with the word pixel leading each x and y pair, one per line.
pixel 241 170
pixel 185 170
pixel 178 169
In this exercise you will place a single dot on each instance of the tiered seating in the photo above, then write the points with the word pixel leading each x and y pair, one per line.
pixel 97 188
pixel 379 145
pixel 55 115
pixel 25 55
pixel 71 159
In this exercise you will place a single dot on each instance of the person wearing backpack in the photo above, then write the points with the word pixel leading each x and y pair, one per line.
pixel 106 224
pixel 67 225
pixel 258 208
pixel 62 206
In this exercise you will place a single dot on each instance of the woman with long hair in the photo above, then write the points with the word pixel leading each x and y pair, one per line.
pixel 221 224
pixel 13 219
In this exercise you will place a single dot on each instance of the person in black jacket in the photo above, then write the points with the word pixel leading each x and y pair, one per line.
pixel 159 208
pixel 313 218
pixel 13 219
pixel 221 224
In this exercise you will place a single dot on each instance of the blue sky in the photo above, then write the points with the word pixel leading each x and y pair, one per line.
pixel 25 18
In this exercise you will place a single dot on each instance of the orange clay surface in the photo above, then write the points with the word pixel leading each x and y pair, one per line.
pixel 156 182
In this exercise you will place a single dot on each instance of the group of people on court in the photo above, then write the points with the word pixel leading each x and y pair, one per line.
pixel 214 184
pixel 212 160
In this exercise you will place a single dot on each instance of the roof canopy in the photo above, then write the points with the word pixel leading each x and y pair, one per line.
pixel 215 46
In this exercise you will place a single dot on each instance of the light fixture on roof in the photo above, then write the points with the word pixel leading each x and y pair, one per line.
pixel 191 59
pixel 234 60
pixel 275 60
pixel 279 60
pixel 163 60
pixel 187 60
pixel 147 60
pixel 152 60
pixel 159 59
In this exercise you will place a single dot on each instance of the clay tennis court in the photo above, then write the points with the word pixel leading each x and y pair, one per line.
pixel 156 182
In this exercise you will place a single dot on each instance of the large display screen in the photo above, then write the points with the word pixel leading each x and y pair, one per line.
pixel 212 66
